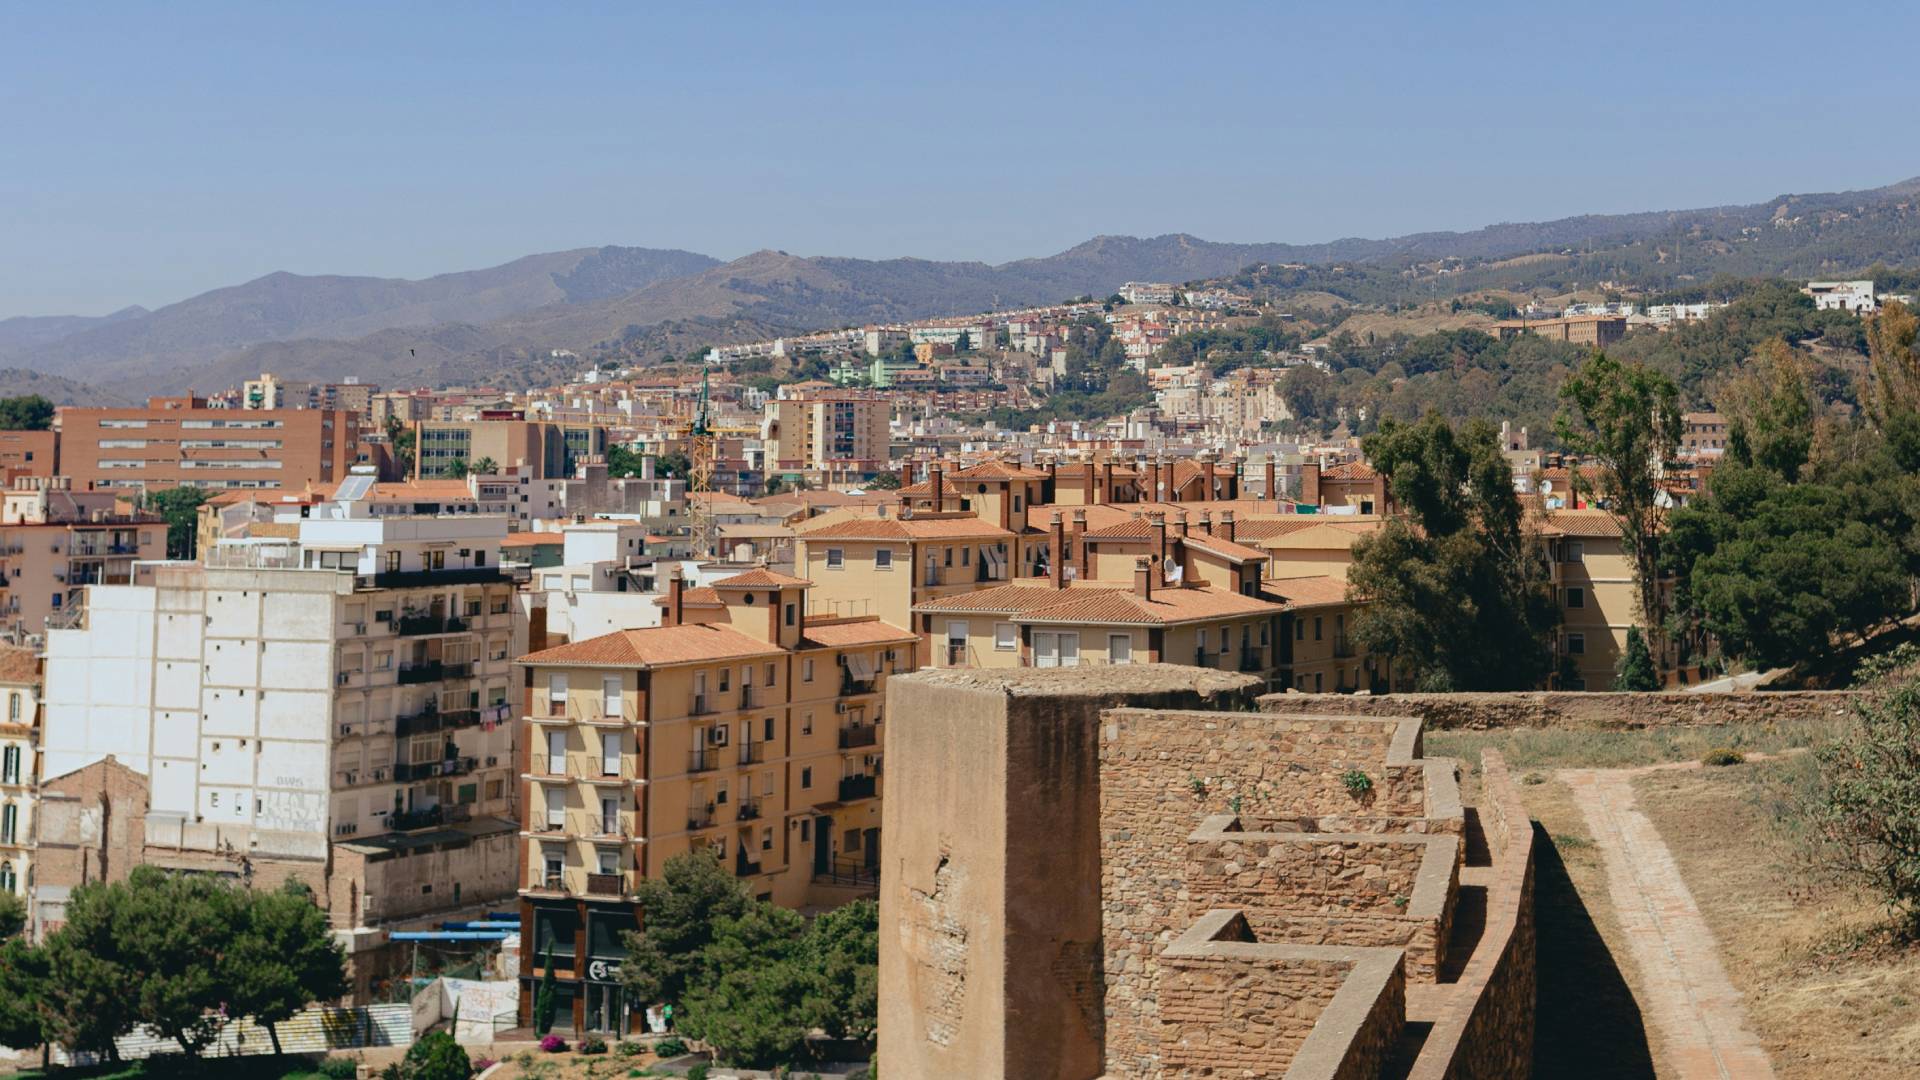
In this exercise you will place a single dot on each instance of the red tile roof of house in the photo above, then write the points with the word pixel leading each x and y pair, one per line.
pixel 1103 604
pixel 1298 592
pixel 19 665
pixel 656 646
pixel 845 633
pixel 1590 523
pixel 913 528
pixel 1226 548
pixel 762 579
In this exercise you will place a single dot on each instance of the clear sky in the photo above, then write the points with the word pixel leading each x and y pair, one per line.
pixel 150 151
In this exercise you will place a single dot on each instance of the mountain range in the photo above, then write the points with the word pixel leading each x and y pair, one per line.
pixel 502 324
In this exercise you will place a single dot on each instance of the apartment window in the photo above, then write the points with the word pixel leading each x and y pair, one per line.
pixel 806 670
pixel 1006 637
pixel 1120 648
pixel 806 724
pixel 766 839
pixel 393 562
pixel 806 830
pixel 883 559
pixel 771 681
pixel 836 558
pixel 13 707
pixel 768 729
pixel 792 613
pixel 1299 630
pixel 10 766
pixel 806 776
pixel 557 688
pixel 1576 644
pixel 1576 597
pixel 1316 628
pixel 1575 551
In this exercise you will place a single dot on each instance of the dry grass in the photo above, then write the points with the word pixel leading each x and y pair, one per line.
pixel 1536 749
pixel 534 1065
pixel 1829 991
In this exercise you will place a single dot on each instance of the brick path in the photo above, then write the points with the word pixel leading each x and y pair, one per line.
pixel 1688 998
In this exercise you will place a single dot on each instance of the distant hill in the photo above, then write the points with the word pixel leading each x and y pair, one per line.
pixel 162 348
pixel 642 304
pixel 28 331
pixel 16 382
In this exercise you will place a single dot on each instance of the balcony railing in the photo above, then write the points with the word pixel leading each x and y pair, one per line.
pixel 850 873
pixel 864 735
pixel 858 787
pixel 703 705
pixel 743 866
pixel 606 884
pixel 700 816
pixel 420 624
pixel 705 759
pixel 850 686
pixel 405 820
pixel 1202 658
pixel 428 770
pixel 412 674
pixel 753 753
pixel 747 809
pixel 1342 646
pixel 1251 660
pixel 749 698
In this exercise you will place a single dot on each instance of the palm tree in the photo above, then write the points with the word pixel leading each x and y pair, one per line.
pixel 485 466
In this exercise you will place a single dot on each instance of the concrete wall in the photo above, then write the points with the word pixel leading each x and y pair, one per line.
pixel 1574 709
pixel 990 947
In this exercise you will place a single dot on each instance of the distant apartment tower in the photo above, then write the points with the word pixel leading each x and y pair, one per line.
pixel 180 442
pixel 843 433
pixel 331 710
pixel 549 450
pixel 54 542
pixel 20 673
pixel 28 453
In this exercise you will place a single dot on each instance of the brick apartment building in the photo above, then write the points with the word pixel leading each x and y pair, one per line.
pixel 181 442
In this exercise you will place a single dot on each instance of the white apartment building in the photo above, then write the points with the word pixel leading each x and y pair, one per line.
pixel 1146 292
pixel 1854 296
pixel 333 709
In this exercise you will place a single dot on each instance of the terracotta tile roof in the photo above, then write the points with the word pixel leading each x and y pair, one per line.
pixel 1593 523
pixel 999 470
pixel 1257 529
pixel 656 646
pixel 1130 529
pixel 19 665
pixel 925 487
pixel 915 528
pixel 1299 592
pixel 762 579
pixel 1350 470
pixel 1227 548
pixel 1101 603
pixel 852 632
pixel 532 539
pixel 1327 535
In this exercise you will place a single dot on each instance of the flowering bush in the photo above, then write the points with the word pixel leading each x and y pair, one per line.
pixel 553 1044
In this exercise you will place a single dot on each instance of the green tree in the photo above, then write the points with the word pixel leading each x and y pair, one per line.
pixel 456 468
pixel 755 998
pixel 1864 809
pixel 681 906
pixel 1626 417
pixel 543 995
pixel 24 993
pixel 885 481
pixel 1770 412
pixel 624 460
pixel 180 508
pixel 485 467
pixel 675 464
pixel 843 948
pixel 1635 669
pixel 282 959
pixel 402 440
pixel 963 343
pixel 13 913
pixel 29 413
pixel 435 1056
pixel 1455 588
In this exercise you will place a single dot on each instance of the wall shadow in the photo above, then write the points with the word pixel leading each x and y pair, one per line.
pixel 1588 1022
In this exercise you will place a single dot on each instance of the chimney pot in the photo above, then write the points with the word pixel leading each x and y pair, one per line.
pixel 1143 577
pixel 1227 528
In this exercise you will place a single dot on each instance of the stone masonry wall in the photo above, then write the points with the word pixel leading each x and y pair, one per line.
pixel 1485 1026
pixel 1161 773
pixel 1576 709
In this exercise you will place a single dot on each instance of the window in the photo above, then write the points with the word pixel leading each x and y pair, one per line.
pixel 791 614
pixel 1053 649
pixel 806 776
pixel 1576 644
pixel 883 559
pixel 770 675
pixel 1576 597
pixel 806 670
pixel 10 766
pixel 768 730
pixel 1299 630
pixel 1120 648
pixel 1575 551
pixel 13 707
pixel 836 558
pixel 1316 627
pixel 1006 637
pixel 806 723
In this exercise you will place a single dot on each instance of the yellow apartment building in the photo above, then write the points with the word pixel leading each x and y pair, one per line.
pixel 883 566
pixel 1593 580
pixel 1318 653
pixel 741 727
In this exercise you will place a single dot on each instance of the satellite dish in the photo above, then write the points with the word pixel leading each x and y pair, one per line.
pixel 1546 487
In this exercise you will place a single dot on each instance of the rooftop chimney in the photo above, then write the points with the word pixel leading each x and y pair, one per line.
pixel 1157 524
pixel 1143 577
pixel 906 474
pixel 1180 524
pixel 1226 529
pixel 1206 523
pixel 676 598
pixel 1310 481
pixel 937 481
pixel 1056 553
pixel 1273 488
pixel 1106 481
pixel 1080 543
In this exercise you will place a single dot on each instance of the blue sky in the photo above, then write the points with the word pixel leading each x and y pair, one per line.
pixel 150 152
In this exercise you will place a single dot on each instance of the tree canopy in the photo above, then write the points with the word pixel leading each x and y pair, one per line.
pixel 29 413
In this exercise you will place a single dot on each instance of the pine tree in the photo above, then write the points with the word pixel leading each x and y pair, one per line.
pixel 1635 670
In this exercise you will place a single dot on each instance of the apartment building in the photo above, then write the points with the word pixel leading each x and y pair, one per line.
pixel 833 433
pixel 330 708
pixel 28 453
pixel 20 679
pixel 741 727
pixel 181 442
pixel 1598 331
pixel 885 566
pixel 1593 578
pixel 548 449
pixel 54 542
pixel 1318 652
pixel 1702 434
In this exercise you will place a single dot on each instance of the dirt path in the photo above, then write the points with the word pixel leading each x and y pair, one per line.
pixel 1690 1001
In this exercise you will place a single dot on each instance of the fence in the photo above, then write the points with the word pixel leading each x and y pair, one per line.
pixel 316 1030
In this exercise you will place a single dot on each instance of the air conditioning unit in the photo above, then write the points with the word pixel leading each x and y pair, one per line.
pixel 717 735
pixel 379 774
pixel 352 775
pixel 359 628
pixel 839 706
pixel 493 761
pixel 346 729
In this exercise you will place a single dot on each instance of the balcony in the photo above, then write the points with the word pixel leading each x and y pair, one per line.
pixel 753 753
pixel 700 817
pixel 414 674
pixel 850 873
pixel 850 686
pixel 431 720
pixel 863 735
pixel 407 772
pixel 705 759
pixel 606 884
pixel 743 866
pixel 407 579
pixel 747 809
pixel 1202 658
pixel 1252 660
pixel 421 625
pixel 703 705
pixel 408 820
pixel 858 787
pixel 1342 647
pixel 750 698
